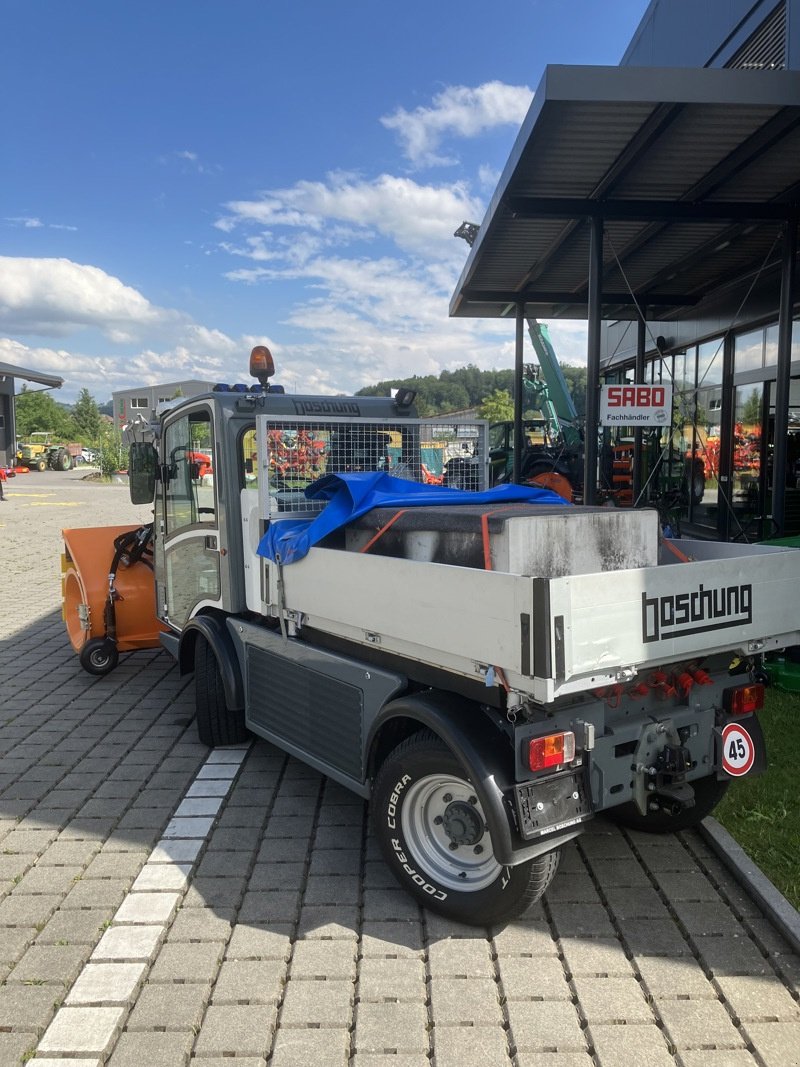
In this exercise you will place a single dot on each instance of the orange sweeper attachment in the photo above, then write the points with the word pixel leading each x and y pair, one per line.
pixel 109 593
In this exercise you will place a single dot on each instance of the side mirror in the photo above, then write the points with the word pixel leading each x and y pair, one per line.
pixel 142 460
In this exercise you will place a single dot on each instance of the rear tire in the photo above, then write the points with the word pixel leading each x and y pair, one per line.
pixel 63 460
pixel 422 805
pixel 217 724
pixel 708 792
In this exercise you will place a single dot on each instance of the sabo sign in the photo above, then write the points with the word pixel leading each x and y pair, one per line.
pixel 635 405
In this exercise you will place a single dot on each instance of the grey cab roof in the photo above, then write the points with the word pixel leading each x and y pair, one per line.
pixel 694 172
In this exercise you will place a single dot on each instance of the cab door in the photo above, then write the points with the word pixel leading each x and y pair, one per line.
pixel 190 517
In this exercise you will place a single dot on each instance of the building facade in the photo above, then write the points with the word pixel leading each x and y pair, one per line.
pixel 144 399
pixel 721 356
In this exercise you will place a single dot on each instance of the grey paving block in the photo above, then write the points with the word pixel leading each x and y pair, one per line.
pixel 68 853
pixel 96 893
pixel 574 886
pixel 334 889
pixel 179 962
pixel 461 958
pixel 240 1030
pixel 266 907
pixel 708 918
pixel 250 982
pixel 53 964
pixel 337 861
pixel 465 1002
pixel 391 1027
pixel 317 1004
pixel 470 1046
pixel 13 1047
pixel 525 939
pixel 267 877
pixel 546 1059
pixel 215 892
pixel 698 1024
pixel 224 864
pixel 28 910
pixel 328 923
pixel 392 940
pixel 324 959
pixel 153 1050
pixel 27 1008
pixel 639 902
pixel 627 872
pixel 732 956
pixel 273 942
pixel 123 865
pixel 612 1000
pixel 382 980
pixel 654 937
pixel 14 941
pixel 533 978
pixel 678 979
pixel 777 1044
pixel 389 905
pixel 200 924
pixel 759 999
pixel 717 1058
pixel 177 1006
pixel 545 1026
pixel 77 927
pixel 578 920
pixel 685 885
pixel 622 1046
pixel 56 880
pixel 299 1048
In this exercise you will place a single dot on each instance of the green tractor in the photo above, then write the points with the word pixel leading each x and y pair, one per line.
pixel 40 452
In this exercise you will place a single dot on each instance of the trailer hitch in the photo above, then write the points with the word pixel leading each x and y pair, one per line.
pixel 660 764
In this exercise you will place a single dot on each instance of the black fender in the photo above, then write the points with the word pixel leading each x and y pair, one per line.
pixel 485 755
pixel 214 630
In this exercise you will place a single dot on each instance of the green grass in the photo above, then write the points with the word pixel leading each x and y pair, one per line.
pixel 763 814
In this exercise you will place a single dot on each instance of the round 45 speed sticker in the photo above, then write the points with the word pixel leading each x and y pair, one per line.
pixel 738 750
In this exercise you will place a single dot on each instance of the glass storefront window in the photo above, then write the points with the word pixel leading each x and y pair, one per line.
pixel 709 363
pixel 745 482
pixel 749 351
pixel 771 346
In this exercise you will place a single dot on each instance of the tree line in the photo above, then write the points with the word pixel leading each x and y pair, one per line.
pixel 469 387
pixel 37 410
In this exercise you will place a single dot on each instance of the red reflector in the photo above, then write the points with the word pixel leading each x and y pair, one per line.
pixel 744 699
pixel 551 751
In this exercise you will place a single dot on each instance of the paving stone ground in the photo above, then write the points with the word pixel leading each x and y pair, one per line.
pixel 129 937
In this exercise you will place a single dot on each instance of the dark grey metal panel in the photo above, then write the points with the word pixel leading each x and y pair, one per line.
pixel 320 714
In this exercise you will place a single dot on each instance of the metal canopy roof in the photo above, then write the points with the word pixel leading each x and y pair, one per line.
pixel 692 172
pixel 52 381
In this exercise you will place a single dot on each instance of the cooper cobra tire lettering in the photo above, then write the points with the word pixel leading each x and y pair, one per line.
pixel 393 800
pixel 417 878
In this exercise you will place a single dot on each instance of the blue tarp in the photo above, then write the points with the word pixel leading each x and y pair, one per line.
pixel 352 495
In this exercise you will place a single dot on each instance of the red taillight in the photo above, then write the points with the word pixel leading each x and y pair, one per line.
pixel 551 751
pixel 744 699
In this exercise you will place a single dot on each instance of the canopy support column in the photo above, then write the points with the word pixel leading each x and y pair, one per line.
pixel 638 376
pixel 782 383
pixel 519 391
pixel 593 360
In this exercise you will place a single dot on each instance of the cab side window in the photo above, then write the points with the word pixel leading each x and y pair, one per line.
pixel 190 495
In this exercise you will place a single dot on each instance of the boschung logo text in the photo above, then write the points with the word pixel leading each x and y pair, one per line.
pixel 698 612
pixel 326 407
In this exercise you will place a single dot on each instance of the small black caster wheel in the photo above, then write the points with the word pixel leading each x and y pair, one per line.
pixel 99 656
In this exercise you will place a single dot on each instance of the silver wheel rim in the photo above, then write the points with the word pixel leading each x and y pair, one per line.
pixel 422 819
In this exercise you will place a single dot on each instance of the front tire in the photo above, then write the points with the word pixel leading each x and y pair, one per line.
pixel 708 792
pixel 433 835
pixel 217 724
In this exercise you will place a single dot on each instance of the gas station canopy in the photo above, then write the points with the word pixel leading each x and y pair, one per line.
pixel 691 172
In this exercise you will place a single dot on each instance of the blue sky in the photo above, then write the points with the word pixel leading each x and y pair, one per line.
pixel 184 179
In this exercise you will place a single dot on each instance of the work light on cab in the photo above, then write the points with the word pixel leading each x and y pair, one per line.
pixel 743 699
pixel 551 751
pixel 262 365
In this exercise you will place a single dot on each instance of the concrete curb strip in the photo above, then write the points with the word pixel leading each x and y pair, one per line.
pixel 774 905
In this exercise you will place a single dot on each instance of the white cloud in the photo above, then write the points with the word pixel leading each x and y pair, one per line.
pixel 57 296
pixel 418 218
pixel 28 222
pixel 457 111
pixel 188 160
